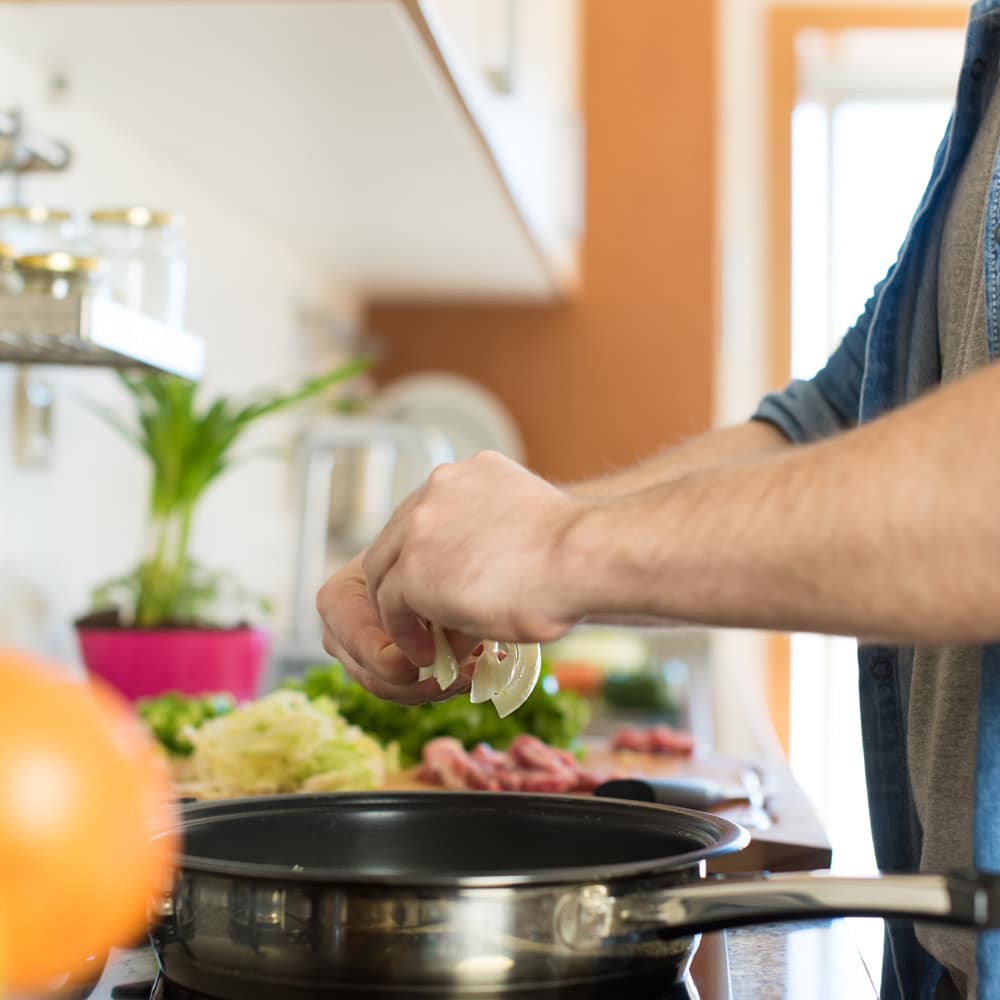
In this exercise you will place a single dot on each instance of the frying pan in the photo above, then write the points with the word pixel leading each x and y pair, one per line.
pixel 444 893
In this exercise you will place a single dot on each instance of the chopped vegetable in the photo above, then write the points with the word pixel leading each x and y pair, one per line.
pixel 284 742
pixel 554 716
pixel 505 672
pixel 444 669
pixel 169 715
pixel 644 692
pixel 514 683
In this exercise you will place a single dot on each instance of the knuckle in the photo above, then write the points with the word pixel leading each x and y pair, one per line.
pixel 543 630
pixel 442 474
pixel 324 598
pixel 422 524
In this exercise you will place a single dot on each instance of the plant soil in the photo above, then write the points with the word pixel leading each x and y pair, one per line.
pixel 111 619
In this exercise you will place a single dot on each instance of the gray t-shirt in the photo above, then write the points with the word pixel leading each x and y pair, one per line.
pixel 944 692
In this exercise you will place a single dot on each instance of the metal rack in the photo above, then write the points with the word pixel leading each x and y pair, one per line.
pixel 90 329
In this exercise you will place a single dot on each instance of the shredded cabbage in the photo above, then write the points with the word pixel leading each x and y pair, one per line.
pixel 284 742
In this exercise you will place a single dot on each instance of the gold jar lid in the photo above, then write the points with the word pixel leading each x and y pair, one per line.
pixel 137 215
pixel 34 213
pixel 59 262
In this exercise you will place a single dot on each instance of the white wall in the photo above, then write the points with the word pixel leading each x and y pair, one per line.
pixel 69 526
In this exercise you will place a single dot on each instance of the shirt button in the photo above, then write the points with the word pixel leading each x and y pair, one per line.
pixel 882 668
pixel 978 69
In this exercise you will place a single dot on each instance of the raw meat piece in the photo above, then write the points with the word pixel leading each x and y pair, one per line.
pixel 659 739
pixel 529 765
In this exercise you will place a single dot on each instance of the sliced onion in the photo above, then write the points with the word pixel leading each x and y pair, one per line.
pixel 484 679
pixel 505 672
pixel 526 669
pixel 445 666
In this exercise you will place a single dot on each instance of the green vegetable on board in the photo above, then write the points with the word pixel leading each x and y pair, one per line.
pixel 168 715
pixel 556 717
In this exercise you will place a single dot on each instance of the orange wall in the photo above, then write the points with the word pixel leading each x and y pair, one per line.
pixel 627 366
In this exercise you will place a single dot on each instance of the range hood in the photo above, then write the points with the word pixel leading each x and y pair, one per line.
pixel 89 329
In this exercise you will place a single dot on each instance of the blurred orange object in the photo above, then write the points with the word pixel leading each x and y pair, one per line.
pixel 585 679
pixel 82 793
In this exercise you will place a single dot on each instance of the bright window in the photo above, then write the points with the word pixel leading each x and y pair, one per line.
pixel 872 110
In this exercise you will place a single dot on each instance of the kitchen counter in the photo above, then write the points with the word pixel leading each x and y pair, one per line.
pixel 786 834
pixel 811 961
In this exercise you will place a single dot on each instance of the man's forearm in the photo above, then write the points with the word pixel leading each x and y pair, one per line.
pixel 890 530
pixel 709 451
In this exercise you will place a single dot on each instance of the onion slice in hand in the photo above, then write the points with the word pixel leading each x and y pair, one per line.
pixel 444 669
pixel 505 673
pixel 486 676
pixel 526 667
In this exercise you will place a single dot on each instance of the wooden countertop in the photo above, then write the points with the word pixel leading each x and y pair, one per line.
pixel 785 836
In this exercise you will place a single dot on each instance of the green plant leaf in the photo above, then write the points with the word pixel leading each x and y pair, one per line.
pixel 188 448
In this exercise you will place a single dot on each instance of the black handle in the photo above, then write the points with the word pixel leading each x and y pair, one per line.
pixel 689 793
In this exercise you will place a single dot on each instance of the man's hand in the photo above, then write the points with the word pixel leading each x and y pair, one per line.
pixel 476 550
pixel 353 635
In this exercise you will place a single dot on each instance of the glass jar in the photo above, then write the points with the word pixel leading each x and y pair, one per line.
pixel 59 274
pixel 10 280
pixel 144 253
pixel 36 229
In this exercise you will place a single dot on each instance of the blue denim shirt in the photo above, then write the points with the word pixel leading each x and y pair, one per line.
pixel 890 356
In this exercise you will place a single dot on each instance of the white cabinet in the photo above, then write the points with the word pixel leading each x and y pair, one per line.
pixel 362 131
pixel 516 64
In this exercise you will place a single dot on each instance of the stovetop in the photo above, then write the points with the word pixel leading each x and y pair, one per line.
pixel 133 975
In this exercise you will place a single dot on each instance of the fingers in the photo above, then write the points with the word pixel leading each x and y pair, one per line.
pixel 465 648
pixel 353 635
pixel 383 553
pixel 351 629
pixel 404 693
pixel 405 629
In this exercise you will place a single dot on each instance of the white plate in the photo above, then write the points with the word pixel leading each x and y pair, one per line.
pixel 469 416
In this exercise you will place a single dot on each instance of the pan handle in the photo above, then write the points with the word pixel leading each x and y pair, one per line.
pixel 968 899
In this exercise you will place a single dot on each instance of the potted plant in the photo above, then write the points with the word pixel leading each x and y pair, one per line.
pixel 160 627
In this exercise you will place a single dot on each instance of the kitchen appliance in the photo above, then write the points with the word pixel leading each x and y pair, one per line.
pixel 464 412
pixel 134 975
pixel 424 893
pixel 321 450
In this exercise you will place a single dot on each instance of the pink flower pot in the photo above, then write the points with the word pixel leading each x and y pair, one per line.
pixel 141 663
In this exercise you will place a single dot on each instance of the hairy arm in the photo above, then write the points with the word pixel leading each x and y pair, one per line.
pixel 739 443
pixel 892 529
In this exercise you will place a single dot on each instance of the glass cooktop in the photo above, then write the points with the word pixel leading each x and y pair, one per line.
pixel 133 975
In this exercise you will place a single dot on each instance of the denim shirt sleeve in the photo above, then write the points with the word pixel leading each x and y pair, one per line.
pixel 830 402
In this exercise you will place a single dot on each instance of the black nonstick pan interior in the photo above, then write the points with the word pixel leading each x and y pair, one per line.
pixel 447 838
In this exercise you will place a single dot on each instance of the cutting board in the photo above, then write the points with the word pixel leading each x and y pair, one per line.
pixel 785 836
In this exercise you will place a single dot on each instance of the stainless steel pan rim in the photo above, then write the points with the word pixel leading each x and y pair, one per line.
pixel 719 837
